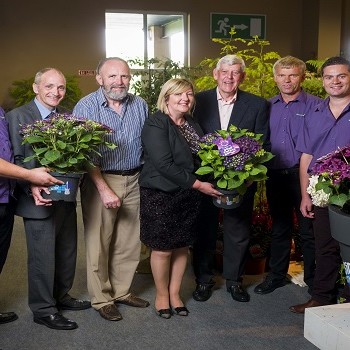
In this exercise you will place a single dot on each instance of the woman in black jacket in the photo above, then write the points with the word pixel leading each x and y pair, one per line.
pixel 170 192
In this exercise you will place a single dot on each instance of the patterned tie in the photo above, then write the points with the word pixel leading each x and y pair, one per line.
pixel 50 115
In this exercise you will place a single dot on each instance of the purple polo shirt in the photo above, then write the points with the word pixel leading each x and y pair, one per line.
pixel 6 185
pixel 286 123
pixel 323 133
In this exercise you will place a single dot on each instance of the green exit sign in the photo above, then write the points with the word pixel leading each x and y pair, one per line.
pixel 246 26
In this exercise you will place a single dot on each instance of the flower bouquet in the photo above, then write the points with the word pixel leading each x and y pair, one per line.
pixel 234 158
pixel 66 145
pixel 330 180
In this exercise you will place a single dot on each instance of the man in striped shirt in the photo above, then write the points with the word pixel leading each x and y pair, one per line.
pixel 110 191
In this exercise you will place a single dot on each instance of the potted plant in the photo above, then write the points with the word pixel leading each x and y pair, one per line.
pixel 234 158
pixel 329 185
pixel 66 145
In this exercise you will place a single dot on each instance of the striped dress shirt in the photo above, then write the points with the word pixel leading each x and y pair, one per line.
pixel 127 128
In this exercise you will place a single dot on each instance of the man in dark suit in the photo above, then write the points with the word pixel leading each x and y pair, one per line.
pixel 8 172
pixel 51 228
pixel 217 109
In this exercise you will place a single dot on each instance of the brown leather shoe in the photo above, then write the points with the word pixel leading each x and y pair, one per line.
pixel 300 308
pixel 110 312
pixel 131 300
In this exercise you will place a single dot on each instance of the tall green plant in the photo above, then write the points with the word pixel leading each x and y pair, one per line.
pixel 22 92
pixel 259 78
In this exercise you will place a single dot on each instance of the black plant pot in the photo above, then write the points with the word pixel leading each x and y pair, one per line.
pixel 229 200
pixel 340 230
pixel 67 191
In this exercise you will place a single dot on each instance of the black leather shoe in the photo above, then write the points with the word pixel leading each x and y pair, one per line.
pixel 56 321
pixel 73 304
pixel 6 317
pixel 202 292
pixel 238 293
pixel 269 285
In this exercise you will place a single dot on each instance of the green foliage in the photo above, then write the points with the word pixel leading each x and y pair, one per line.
pixel 313 80
pixel 22 92
pixel 64 143
pixel 259 64
pixel 149 80
pixel 259 77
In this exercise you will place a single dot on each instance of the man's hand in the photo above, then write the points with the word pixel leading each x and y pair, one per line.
pixel 306 207
pixel 109 198
pixel 40 176
pixel 38 199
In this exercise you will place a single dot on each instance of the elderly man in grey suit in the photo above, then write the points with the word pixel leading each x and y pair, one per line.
pixel 51 227
pixel 217 109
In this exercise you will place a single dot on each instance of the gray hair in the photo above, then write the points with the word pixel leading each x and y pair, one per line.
pixel 231 60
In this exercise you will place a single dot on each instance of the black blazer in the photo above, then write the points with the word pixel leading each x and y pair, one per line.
pixel 249 112
pixel 168 159
pixel 26 114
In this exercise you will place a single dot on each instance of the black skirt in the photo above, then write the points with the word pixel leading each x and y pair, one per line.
pixel 169 220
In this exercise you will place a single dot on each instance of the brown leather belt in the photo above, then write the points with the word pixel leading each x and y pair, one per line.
pixel 128 172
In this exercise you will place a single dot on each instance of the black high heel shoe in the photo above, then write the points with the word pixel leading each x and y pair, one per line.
pixel 164 313
pixel 181 311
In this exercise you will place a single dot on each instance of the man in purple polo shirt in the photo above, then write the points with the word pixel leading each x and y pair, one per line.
pixel 288 110
pixel 326 129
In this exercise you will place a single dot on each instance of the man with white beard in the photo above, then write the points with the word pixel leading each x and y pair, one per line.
pixel 110 193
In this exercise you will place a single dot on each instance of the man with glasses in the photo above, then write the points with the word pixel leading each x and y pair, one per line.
pixel 110 193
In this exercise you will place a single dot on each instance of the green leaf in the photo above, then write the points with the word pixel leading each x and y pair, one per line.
pixel 60 144
pixel 52 155
pixel 204 170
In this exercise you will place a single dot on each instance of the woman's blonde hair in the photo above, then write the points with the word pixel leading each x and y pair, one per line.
pixel 172 86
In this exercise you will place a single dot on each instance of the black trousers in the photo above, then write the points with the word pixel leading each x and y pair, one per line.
pixel 236 223
pixel 6 226
pixel 52 252
pixel 328 259
pixel 283 194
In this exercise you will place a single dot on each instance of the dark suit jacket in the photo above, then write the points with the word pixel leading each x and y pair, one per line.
pixel 249 112
pixel 26 114
pixel 168 159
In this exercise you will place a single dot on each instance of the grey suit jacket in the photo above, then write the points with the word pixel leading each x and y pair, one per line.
pixel 249 112
pixel 26 114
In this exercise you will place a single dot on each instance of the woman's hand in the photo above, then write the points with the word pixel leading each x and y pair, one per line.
pixel 206 188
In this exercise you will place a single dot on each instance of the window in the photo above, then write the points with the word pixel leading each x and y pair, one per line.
pixel 164 37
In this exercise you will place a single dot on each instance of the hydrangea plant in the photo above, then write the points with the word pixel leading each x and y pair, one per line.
pixel 234 157
pixel 65 143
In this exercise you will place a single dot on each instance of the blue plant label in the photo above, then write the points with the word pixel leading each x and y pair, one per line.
pixel 226 146
pixel 65 189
